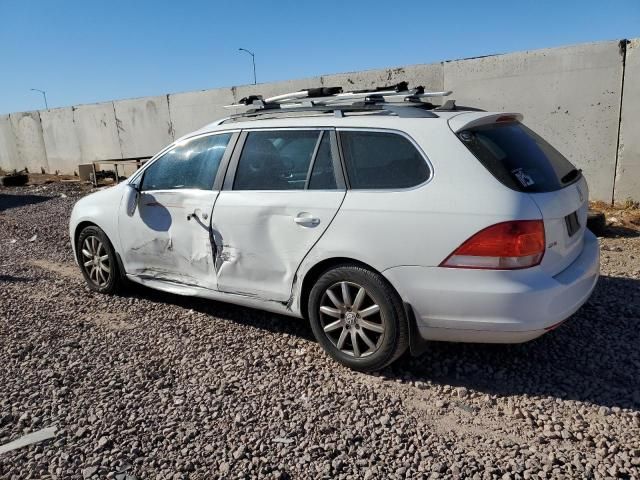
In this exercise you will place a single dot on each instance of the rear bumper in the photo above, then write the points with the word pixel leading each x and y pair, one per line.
pixel 485 306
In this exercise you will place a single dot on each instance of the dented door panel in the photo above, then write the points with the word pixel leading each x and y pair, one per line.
pixel 168 237
pixel 263 236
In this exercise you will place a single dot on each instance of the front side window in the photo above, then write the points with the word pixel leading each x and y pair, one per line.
pixel 382 160
pixel 276 160
pixel 191 165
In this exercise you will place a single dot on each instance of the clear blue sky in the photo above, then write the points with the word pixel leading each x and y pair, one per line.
pixel 95 50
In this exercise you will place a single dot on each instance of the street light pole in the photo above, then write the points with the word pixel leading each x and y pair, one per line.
pixel 44 94
pixel 253 59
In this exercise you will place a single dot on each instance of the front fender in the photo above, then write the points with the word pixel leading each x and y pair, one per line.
pixel 100 208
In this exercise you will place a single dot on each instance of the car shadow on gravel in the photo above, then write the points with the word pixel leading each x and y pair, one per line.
pixel 15 201
pixel 272 322
pixel 14 279
pixel 593 357
pixel 616 231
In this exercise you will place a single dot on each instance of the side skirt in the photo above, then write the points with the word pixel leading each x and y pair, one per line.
pixel 236 299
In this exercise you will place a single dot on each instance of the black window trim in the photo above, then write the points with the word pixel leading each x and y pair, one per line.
pixel 337 161
pixel 313 159
pixel 138 177
pixel 383 130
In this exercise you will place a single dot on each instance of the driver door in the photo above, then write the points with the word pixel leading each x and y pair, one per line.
pixel 168 236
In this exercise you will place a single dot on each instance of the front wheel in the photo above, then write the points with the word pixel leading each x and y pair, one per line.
pixel 97 260
pixel 358 318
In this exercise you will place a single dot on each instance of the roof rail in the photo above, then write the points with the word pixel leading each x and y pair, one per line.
pixel 390 99
pixel 404 111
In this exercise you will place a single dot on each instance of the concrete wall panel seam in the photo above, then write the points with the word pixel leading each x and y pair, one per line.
pixel 623 53
pixel 118 127
pixel 627 186
pixel 172 131
pixel 46 156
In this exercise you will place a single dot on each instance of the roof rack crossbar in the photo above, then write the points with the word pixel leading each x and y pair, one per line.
pixel 327 95
pixel 396 99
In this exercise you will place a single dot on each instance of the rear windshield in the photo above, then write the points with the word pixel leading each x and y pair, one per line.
pixel 519 158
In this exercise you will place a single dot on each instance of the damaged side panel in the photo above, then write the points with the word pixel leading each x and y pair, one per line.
pixel 168 238
pixel 262 236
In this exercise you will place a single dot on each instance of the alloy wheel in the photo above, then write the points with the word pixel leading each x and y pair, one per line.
pixel 351 319
pixel 95 261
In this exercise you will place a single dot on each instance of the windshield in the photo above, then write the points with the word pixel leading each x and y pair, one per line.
pixel 519 158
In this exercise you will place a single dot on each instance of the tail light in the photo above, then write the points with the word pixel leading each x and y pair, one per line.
pixel 503 246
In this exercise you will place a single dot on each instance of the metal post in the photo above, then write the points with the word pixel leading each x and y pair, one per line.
pixel 44 94
pixel 253 59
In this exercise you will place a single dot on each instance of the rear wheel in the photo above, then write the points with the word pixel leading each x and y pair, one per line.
pixel 358 318
pixel 97 260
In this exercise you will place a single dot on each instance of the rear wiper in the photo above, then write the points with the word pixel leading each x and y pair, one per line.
pixel 572 175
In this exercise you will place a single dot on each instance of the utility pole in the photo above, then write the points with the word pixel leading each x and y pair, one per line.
pixel 253 59
pixel 44 94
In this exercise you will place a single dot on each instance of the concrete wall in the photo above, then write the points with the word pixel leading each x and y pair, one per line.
pixel 192 110
pixel 29 141
pixel 628 168
pixel 61 140
pixel 571 95
pixel 95 126
pixel 144 125
pixel 8 148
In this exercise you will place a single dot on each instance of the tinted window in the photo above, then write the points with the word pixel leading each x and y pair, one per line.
pixel 191 165
pixel 519 158
pixel 382 160
pixel 275 160
pixel 323 176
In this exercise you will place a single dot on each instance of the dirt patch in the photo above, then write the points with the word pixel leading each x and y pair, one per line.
pixel 620 216
pixel 42 178
pixel 112 321
pixel 66 270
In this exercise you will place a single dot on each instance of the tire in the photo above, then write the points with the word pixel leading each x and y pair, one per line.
pixel 596 222
pixel 98 262
pixel 337 320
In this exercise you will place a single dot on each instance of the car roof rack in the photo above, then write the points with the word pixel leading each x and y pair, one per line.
pixel 389 99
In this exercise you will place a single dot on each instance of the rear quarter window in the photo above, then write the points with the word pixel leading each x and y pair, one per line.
pixel 382 160
pixel 519 158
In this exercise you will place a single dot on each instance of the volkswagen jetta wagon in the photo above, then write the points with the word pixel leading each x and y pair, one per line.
pixel 384 223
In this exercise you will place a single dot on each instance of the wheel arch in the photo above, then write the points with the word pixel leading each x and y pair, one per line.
pixel 88 223
pixel 314 273
pixel 416 344
pixel 81 226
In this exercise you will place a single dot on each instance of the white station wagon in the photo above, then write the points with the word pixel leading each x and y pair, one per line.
pixel 382 219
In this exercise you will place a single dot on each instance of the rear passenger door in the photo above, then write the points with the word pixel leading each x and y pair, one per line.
pixel 281 192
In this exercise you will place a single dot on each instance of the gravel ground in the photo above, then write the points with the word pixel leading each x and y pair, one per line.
pixel 151 385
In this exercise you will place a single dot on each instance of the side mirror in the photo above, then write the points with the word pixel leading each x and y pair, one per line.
pixel 131 196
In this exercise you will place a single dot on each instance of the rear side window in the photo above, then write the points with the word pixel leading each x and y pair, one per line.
pixel 190 165
pixel 382 160
pixel 276 160
pixel 519 158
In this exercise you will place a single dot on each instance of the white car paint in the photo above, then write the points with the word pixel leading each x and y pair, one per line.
pixel 262 255
pixel 168 237
pixel 266 234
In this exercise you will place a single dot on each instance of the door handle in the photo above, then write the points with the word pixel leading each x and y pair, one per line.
pixel 306 220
